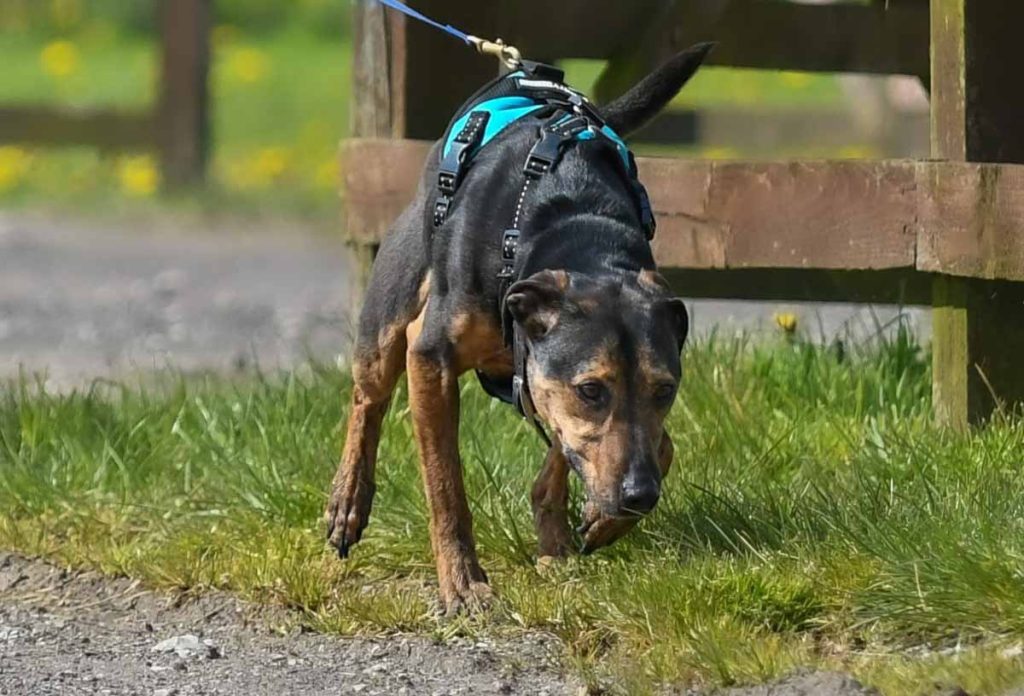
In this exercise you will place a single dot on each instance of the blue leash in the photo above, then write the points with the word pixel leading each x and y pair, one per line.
pixel 405 9
pixel 508 55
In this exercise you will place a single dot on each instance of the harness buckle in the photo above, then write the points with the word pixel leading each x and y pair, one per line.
pixel 537 165
pixel 509 244
pixel 446 182
pixel 441 207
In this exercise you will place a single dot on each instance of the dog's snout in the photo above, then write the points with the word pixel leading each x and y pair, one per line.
pixel 639 494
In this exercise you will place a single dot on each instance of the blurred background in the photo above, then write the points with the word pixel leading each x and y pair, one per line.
pixel 106 268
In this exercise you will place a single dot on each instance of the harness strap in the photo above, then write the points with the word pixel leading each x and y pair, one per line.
pixel 450 173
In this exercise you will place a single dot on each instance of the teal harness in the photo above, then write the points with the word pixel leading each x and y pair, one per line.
pixel 504 111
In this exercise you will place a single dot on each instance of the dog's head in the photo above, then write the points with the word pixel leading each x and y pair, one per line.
pixel 604 368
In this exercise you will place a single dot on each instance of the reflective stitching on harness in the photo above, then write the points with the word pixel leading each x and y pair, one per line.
pixel 519 205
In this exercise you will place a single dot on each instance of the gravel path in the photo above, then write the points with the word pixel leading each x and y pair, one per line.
pixel 80 300
pixel 66 633
pixel 81 633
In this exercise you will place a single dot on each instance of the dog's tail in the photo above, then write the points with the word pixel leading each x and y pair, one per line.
pixel 647 98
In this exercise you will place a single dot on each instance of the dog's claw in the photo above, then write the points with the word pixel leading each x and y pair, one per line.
pixel 347 516
pixel 473 599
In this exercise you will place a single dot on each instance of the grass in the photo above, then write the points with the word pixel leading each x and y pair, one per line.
pixel 280 107
pixel 814 517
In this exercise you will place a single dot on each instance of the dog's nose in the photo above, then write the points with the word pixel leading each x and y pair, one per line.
pixel 639 496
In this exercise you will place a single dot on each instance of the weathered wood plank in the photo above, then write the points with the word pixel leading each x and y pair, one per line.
pixel 378 179
pixel 183 111
pixel 55 126
pixel 775 35
pixel 844 215
pixel 825 215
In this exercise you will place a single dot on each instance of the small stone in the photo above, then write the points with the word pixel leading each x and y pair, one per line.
pixel 212 651
pixel 165 692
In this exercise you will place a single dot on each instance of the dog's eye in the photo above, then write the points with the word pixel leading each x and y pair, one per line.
pixel 664 393
pixel 592 392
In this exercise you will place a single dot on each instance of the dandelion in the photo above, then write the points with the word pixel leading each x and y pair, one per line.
pixel 720 153
pixel 248 65
pixel 14 163
pixel 787 321
pixel 796 80
pixel 271 163
pixel 138 176
pixel 59 59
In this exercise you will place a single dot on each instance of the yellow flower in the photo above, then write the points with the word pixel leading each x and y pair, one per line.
pixel 720 153
pixel 248 65
pixel 13 164
pixel 271 163
pixel 59 59
pixel 795 80
pixel 856 152
pixel 138 175
pixel 787 321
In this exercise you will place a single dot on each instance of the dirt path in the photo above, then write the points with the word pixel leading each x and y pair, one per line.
pixel 66 633
pixel 80 633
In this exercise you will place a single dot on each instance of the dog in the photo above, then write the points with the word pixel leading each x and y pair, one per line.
pixel 602 338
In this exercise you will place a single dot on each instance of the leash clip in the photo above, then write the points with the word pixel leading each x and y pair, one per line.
pixel 509 56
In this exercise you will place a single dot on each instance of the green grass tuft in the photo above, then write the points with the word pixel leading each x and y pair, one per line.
pixel 814 517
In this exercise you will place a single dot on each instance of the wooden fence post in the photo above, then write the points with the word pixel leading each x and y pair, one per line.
pixel 977 109
pixel 407 81
pixel 183 112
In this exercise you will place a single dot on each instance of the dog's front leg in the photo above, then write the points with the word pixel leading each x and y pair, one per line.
pixel 434 401
pixel 550 498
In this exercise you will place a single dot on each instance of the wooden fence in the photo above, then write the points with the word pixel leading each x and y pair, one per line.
pixel 176 129
pixel 947 232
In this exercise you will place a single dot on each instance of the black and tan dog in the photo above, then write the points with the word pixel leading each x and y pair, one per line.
pixel 604 338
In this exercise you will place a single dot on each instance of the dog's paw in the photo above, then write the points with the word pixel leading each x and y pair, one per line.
pixel 464 588
pixel 348 512
pixel 600 530
pixel 476 597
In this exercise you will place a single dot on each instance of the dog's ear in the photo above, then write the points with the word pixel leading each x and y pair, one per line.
pixel 635 108
pixel 680 319
pixel 535 302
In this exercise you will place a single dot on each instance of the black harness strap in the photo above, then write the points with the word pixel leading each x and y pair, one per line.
pixel 449 176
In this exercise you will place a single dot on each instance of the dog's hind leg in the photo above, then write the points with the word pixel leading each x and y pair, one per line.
pixel 550 499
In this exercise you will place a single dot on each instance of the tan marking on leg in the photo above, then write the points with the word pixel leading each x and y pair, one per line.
pixel 479 344
pixel 434 402
pixel 550 499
